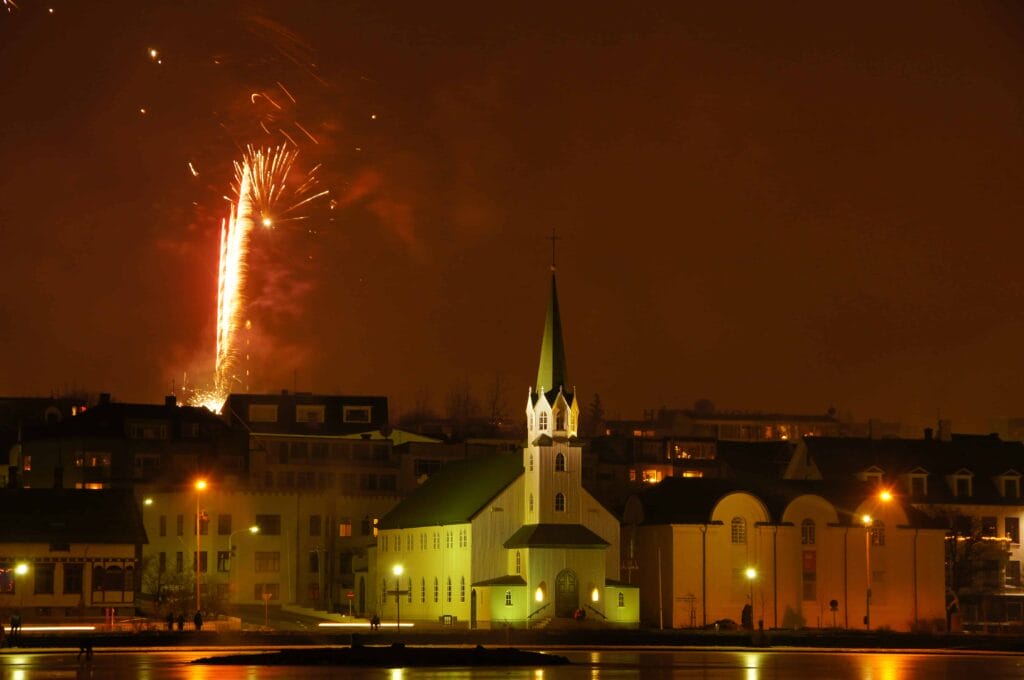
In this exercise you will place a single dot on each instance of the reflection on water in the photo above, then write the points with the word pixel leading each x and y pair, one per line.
pixel 606 664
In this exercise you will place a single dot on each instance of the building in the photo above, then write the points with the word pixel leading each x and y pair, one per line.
pixel 508 539
pixel 970 484
pixel 119 445
pixel 63 555
pixel 799 553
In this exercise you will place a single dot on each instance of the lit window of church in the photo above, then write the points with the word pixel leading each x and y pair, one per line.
pixel 508 598
pixel 739 530
pixel 448 590
pixel 543 420
pixel 531 462
pixel 622 600
pixel 559 463
pixel 519 562
pixel 531 503
pixel 423 590
pixel 462 589
pixel 408 591
pixel 559 502
pixel 435 589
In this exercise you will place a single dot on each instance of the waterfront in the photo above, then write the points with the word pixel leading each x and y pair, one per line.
pixel 612 664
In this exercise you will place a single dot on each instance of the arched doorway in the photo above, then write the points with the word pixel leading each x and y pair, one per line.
pixel 566 594
pixel 472 608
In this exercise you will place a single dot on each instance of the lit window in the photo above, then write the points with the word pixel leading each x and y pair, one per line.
pixel 519 562
pixel 652 476
pixel 508 598
pixel 543 420
pixel 622 599
pixel 355 414
pixel 435 589
pixel 448 590
pixel 462 589
pixel 739 530
pixel 559 502
pixel 559 463
pixel 877 533
pixel 531 503
pixel 807 532
pixel 423 590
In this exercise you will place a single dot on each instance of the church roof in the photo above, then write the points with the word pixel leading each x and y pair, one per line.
pixel 555 536
pixel 552 372
pixel 456 493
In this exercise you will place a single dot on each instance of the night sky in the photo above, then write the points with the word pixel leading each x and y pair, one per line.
pixel 776 206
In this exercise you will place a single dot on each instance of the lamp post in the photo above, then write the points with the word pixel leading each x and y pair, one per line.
pixel 884 496
pixel 20 570
pixel 254 529
pixel 751 575
pixel 397 571
pixel 866 520
pixel 200 487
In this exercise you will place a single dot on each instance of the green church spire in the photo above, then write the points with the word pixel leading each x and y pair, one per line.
pixel 552 372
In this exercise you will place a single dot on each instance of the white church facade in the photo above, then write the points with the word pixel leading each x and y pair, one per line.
pixel 508 539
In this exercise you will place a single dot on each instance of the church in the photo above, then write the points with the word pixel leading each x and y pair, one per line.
pixel 508 539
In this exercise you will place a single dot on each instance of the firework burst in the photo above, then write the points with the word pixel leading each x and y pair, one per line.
pixel 269 190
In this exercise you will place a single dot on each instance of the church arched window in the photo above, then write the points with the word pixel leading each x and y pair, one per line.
pixel 531 462
pixel 408 591
pixel 531 503
pixel 435 589
pixel 519 562
pixel 423 590
pixel 559 502
pixel 622 600
pixel 559 463
pixel 543 420
pixel 807 532
pixel 462 589
pixel 560 420
pixel 508 598
pixel 448 590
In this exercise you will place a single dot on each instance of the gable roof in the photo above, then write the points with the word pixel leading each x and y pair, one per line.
pixel 555 536
pixel 456 493
pixel 70 516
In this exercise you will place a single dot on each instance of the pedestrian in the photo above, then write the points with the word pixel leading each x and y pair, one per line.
pixel 198 620
pixel 170 621
pixel 181 622
pixel 375 622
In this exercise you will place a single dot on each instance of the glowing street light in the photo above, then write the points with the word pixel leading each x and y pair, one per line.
pixel 751 574
pixel 397 571
pixel 200 488
pixel 884 496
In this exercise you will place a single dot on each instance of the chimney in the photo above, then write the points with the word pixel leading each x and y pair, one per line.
pixel 171 401
pixel 928 433
pixel 58 477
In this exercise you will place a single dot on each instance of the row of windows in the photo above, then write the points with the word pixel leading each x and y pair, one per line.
pixel 112 578
pixel 264 561
pixel 320 451
pixel 738 531
pixel 540 420
pixel 269 525
pixel 388 590
pixel 307 479
pixel 435 543
pixel 308 413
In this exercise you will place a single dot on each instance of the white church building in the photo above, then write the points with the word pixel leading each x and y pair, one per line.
pixel 508 539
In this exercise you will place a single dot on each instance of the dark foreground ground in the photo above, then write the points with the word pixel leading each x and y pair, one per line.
pixel 590 637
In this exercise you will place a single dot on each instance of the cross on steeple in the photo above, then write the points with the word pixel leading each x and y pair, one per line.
pixel 553 238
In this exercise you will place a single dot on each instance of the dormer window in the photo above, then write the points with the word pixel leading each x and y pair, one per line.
pixel 961 484
pixel 1011 487
pixel 873 474
pixel 543 420
pixel 917 483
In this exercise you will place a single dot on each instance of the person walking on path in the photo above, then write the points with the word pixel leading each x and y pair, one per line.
pixel 181 622
pixel 198 621
pixel 170 621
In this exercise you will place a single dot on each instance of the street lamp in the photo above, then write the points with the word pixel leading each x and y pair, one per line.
pixel 866 520
pixel 254 529
pixel 884 496
pixel 751 575
pixel 397 571
pixel 200 487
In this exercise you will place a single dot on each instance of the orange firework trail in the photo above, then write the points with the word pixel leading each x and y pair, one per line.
pixel 265 193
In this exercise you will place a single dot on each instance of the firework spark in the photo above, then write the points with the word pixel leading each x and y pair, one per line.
pixel 268 190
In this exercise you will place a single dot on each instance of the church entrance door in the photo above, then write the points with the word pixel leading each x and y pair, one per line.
pixel 566 594
pixel 472 608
